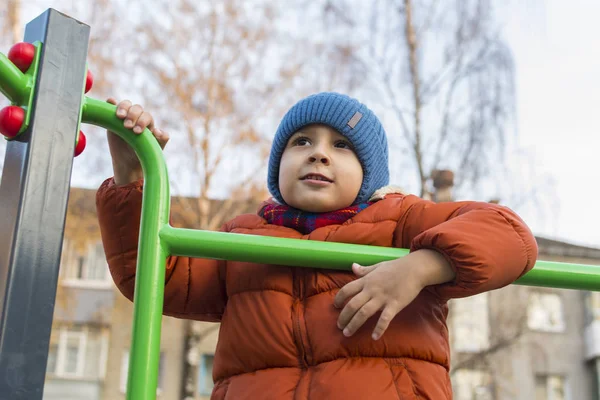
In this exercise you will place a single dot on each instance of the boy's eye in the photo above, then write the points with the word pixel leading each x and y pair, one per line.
pixel 301 141
pixel 342 144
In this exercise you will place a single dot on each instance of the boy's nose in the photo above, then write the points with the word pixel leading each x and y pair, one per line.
pixel 319 157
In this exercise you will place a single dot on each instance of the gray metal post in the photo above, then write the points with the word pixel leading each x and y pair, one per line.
pixel 34 193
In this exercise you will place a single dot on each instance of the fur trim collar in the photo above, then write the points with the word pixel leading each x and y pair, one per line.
pixel 384 191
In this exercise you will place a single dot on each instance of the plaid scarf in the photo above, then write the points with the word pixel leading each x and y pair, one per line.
pixel 304 221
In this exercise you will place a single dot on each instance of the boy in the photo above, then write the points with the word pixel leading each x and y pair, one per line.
pixel 297 333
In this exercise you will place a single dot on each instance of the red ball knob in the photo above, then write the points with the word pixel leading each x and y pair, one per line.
pixel 22 54
pixel 80 144
pixel 11 120
pixel 89 81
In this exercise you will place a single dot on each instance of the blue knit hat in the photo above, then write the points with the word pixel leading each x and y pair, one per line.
pixel 351 119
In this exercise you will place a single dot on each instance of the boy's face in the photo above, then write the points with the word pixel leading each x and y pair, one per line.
pixel 319 171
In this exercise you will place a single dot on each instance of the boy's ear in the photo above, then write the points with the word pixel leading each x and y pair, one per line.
pixel 382 192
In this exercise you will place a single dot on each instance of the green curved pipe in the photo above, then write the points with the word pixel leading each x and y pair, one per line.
pixel 13 83
pixel 17 86
pixel 152 254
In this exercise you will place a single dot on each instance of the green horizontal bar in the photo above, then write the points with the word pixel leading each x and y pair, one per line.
pixel 273 250
pixel 317 254
pixel 563 276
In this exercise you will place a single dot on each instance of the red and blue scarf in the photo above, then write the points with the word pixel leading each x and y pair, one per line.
pixel 305 222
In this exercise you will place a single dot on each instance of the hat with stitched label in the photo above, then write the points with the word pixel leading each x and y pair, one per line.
pixel 351 119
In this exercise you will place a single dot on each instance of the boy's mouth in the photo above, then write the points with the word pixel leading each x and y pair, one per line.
pixel 316 177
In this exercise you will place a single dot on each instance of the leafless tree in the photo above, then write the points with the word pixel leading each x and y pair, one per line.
pixel 445 78
pixel 212 80
pixel 104 59
pixel 213 73
pixel 11 26
pixel 449 78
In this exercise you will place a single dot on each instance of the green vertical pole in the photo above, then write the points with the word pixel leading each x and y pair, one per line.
pixel 152 255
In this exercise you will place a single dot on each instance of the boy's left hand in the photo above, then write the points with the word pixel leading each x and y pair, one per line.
pixel 388 286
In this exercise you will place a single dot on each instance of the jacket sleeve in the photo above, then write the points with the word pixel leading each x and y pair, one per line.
pixel 194 288
pixel 487 245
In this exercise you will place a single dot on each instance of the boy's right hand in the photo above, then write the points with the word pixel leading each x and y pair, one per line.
pixel 126 165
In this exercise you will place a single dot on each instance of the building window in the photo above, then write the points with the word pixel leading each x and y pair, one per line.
pixel 470 324
pixel 545 312
pixel 77 352
pixel 468 384
pixel 125 371
pixel 592 301
pixel 88 269
pixel 549 387
pixel 205 379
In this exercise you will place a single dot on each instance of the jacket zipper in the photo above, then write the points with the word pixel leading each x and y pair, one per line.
pixel 298 277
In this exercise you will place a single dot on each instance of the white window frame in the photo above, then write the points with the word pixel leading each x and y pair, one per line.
pixel 71 259
pixel 103 354
pixel 548 381
pixel 532 323
pixel 464 318
pixel 593 305
pixel 125 371
pixel 61 353
pixel 64 333
pixel 472 380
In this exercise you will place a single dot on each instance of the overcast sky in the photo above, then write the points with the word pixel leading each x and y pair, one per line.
pixel 555 45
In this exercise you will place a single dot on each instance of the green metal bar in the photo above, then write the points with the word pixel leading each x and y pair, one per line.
pixel 563 276
pixel 316 254
pixel 273 250
pixel 150 278
pixel 18 86
pixel 30 78
pixel 13 83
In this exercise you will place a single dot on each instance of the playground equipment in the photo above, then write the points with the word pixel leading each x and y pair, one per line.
pixel 45 78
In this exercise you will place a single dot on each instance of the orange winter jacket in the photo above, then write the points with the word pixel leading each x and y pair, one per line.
pixel 278 336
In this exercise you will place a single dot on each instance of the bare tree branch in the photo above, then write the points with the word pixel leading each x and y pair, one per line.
pixel 411 41
pixel 482 355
